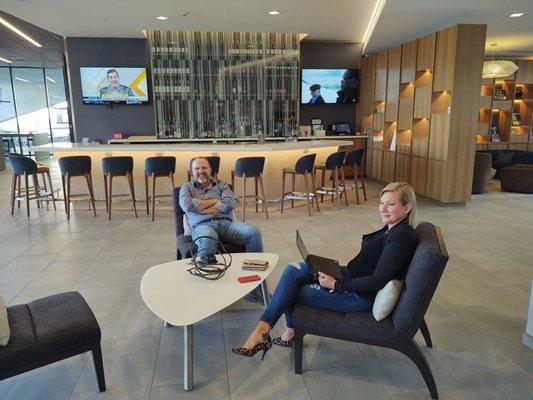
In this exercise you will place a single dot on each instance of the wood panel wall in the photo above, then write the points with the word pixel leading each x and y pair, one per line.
pixel 423 96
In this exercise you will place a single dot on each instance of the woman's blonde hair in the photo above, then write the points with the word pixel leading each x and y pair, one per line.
pixel 406 194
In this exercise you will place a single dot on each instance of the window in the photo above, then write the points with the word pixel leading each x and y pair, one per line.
pixel 8 119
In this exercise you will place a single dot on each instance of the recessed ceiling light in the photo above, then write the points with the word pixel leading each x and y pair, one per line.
pixel 19 32
pixel 162 18
pixel 5 60
pixel 274 12
pixel 184 13
pixel 516 15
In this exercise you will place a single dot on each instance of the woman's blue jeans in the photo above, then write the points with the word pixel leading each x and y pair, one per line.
pixel 298 286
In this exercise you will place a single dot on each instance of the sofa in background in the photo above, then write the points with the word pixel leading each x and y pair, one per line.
pixel 482 172
pixel 508 158
pixel 518 178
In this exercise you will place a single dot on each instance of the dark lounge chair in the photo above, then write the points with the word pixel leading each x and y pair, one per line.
pixel 398 329
pixel 48 330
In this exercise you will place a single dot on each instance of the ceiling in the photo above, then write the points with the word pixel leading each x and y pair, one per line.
pixel 22 52
pixel 333 20
pixel 342 20
pixel 514 36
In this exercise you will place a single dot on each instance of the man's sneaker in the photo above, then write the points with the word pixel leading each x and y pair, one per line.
pixel 206 259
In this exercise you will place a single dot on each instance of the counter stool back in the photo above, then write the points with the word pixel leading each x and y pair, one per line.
pixel 305 167
pixel 26 167
pixel 355 159
pixel 334 163
pixel 76 166
pixel 214 162
pixel 250 167
pixel 117 166
pixel 156 167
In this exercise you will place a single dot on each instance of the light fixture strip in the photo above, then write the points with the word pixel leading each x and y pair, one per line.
pixel 22 80
pixel 5 60
pixel 373 21
pixel 19 32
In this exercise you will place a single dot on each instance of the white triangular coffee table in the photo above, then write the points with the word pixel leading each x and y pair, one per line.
pixel 181 299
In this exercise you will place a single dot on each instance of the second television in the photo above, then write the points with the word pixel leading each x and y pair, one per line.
pixel 329 86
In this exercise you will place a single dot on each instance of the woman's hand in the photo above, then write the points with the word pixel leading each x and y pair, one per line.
pixel 326 281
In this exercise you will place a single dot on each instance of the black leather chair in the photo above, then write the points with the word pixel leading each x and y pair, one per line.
pixel 48 330
pixel 335 164
pixel 25 167
pixel 398 329
pixel 155 167
pixel 113 167
pixel 354 159
pixel 184 242
pixel 76 166
pixel 305 167
pixel 250 167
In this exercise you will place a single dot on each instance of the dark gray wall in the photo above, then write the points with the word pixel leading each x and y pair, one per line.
pixel 99 121
pixel 322 54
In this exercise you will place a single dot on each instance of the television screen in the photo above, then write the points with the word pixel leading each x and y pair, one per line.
pixel 329 86
pixel 104 85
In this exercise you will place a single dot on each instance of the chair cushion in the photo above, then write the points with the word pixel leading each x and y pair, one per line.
pixel 386 299
pixel 356 326
pixel 4 323
pixel 41 168
pixel 63 322
pixel 22 348
pixel 504 158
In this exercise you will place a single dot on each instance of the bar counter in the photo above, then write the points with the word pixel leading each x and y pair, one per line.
pixel 278 155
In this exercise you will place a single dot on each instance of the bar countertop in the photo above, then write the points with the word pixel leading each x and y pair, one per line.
pixel 187 147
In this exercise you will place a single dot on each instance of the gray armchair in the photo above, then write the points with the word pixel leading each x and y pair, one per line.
pixel 398 329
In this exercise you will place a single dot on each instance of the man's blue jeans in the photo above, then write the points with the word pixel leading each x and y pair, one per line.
pixel 298 286
pixel 226 231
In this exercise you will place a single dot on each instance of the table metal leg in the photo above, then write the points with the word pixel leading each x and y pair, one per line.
pixel 187 357
pixel 264 290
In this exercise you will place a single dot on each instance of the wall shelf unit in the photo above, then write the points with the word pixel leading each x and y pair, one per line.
pixel 429 88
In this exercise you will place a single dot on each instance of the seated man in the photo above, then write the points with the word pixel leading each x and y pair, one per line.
pixel 208 204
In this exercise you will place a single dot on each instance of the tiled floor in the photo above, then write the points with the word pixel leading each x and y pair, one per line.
pixel 477 317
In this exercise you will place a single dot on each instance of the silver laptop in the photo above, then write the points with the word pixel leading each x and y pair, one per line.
pixel 317 263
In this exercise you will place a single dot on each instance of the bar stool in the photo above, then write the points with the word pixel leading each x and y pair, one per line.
pixel 117 166
pixel 76 166
pixel 214 162
pixel 354 159
pixel 304 166
pixel 334 163
pixel 25 166
pixel 157 167
pixel 250 167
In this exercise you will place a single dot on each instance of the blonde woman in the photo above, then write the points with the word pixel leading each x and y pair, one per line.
pixel 384 255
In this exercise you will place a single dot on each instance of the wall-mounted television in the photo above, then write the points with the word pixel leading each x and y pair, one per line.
pixel 329 86
pixel 108 85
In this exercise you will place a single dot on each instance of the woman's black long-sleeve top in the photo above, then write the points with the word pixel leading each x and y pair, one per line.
pixel 385 255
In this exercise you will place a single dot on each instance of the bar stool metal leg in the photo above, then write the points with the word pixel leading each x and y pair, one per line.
pixel 307 194
pixel 282 190
pixel 27 189
pixel 147 194
pixel 293 187
pixel 153 196
pixel 256 195
pixel 110 197
pixel 129 177
pixel 260 178
pixel 243 197
pixel 343 181
pixel 67 199
pixel 19 190
pixel 106 195
pixel 313 179
pixel 356 184
pixel 13 191
pixel 323 184
pixel 51 189
pixel 89 180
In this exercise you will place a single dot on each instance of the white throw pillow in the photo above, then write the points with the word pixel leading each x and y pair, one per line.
pixel 4 324
pixel 386 299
